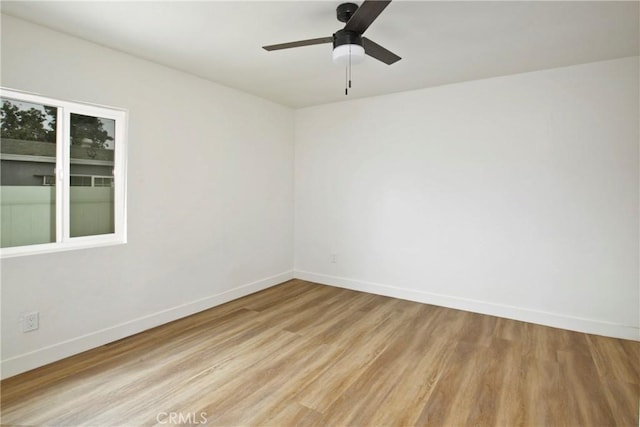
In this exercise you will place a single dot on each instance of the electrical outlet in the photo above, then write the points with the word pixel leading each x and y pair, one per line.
pixel 30 321
pixel 333 258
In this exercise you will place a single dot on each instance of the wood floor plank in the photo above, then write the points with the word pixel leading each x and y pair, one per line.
pixel 581 383
pixel 541 395
pixel 356 354
pixel 488 388
pixel 479 329
pixel 290 414
pixel 374 387
pixel 451 389
pixel 623 399
pixel 510 330
pixel 302 354
pixel 615 359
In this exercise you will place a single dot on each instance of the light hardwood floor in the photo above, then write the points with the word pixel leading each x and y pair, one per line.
pixel 306 354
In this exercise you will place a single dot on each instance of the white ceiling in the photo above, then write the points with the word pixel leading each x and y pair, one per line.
pixel 440 42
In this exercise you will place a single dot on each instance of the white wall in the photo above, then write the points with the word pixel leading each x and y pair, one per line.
pixel 515 196
pixel 210 200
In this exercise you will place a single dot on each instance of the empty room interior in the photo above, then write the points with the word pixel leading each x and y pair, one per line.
pixel 261 213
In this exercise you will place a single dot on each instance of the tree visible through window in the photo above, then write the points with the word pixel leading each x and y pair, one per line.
pixel 30 122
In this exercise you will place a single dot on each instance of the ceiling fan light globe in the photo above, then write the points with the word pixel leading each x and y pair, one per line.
pixel 341 54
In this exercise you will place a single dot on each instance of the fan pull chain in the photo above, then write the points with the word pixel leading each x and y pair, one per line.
pixel 347 75
pixel 349 66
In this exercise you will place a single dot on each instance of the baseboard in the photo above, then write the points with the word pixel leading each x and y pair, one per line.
pixel 555 320
pixel 27 361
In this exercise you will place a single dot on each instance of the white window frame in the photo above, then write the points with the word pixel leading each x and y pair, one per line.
pixel 64 241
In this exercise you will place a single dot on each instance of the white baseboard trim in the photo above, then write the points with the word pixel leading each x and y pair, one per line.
pixel 555 320
pixel 34 359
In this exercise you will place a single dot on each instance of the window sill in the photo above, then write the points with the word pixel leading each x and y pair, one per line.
pixel 48 248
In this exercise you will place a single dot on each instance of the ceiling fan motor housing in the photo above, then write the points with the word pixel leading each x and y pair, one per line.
pixel 345 10
pixel 341 37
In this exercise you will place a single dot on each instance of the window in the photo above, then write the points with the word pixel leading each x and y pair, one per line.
pixel 62 175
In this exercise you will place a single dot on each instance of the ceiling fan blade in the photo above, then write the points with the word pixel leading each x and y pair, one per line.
pixel 299 43
pixel 365 15
pixel 380 53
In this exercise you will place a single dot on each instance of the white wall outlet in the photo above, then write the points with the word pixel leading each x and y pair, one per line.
pixel 333 258
pixel 30 321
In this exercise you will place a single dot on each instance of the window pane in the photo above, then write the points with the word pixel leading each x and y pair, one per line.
pixel 92 155
pixel 27 173
pixel 80 181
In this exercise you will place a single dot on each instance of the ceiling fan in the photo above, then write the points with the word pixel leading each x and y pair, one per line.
pixel 349 46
